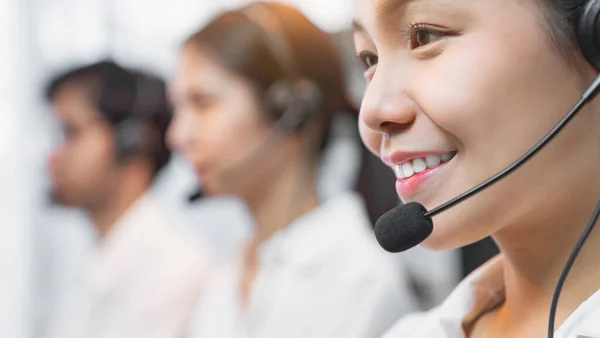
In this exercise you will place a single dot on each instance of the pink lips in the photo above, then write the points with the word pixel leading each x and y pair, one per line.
pixel 407 187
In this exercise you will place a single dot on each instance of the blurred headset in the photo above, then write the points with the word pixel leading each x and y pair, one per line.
pixel 136 134
pixel 588 33
pixel 294 100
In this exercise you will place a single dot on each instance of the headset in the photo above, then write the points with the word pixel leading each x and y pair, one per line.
pixel 135 135
pixel 588 32
pixel 588 40
pixel 295 99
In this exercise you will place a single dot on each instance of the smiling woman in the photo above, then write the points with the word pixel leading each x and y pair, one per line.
pixel 457 91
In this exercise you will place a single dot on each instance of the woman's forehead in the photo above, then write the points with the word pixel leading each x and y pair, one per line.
pixel 387 15
pixel 372 13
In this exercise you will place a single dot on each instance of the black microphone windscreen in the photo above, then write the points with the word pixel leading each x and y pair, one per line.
pixel 195 196
pixel 403 227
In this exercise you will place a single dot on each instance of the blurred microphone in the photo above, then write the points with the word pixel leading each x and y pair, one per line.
pixel 195 196
pixel 410 224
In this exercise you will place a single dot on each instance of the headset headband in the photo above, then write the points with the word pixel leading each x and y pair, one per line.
pixel 276 41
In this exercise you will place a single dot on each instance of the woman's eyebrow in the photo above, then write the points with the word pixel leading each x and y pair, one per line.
pixel 386 8
pixel 357 27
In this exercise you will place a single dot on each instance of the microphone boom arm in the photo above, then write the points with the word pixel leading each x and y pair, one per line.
pixel 589 94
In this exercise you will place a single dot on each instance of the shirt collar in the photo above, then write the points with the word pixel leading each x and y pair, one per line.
pixel 483 290
pixel 486 285
pixel 117 251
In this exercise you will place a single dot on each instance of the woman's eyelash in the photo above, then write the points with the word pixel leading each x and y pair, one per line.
pixel 367 59
pixel 407 32
pixel 411 28
pixel 419 35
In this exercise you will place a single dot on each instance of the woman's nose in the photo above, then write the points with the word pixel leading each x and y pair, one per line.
pixel 386 108
pixel 179 133
pixel 54 158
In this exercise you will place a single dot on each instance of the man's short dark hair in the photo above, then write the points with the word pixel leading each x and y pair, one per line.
pixel 113 91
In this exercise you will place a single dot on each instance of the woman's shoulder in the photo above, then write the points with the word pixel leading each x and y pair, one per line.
pixel 444 321
pixel 479 291
pixel 221 288
pixel 584 320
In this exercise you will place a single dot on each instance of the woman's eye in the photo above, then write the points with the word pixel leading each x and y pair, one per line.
pixel 422 35
pixel 368 59
pixel 201 102
pixel 69 133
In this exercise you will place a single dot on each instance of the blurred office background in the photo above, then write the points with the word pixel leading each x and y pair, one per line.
pixel 42 245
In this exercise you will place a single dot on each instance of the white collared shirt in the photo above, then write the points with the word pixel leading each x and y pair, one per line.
pixel 323 276
pixel 142 281
pixel 480 292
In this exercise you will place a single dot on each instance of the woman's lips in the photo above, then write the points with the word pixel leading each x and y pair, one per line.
pixel 413 170
pixel 407 187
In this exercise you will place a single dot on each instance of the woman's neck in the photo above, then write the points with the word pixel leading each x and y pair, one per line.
pixel 534 263
pixel 285 199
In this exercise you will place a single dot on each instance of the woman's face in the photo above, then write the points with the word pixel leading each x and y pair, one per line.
pixel 218 126
pixel 457 90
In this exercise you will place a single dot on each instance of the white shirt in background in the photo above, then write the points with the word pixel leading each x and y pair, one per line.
pixel 142 281
pixel 323 276
pixel 480 292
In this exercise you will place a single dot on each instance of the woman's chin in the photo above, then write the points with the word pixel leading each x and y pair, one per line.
pixel 452 233
pixel 437 242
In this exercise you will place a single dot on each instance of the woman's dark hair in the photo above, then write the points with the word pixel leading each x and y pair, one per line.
pixel 562 18
pixel 113 91
pixel 239 44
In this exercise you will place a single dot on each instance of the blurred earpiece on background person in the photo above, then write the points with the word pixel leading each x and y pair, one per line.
pixel 456 96
pixel 254 94
pixel 144 277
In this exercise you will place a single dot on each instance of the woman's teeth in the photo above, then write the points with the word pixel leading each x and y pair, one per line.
pixel 446 157
pixel 418 165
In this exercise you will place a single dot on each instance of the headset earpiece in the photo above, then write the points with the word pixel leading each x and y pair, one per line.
pixel 295 100
pixel 133 137
pixel 294 103
pixel 588 32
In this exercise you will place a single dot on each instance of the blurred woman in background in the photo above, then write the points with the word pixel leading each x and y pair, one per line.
pixel 254 95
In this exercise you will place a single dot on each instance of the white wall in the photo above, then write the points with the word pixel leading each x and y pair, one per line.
pixel 17 184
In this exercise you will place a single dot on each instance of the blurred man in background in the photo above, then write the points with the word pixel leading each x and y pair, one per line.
pixel 144 277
